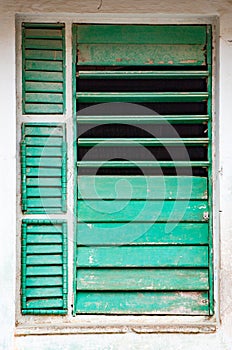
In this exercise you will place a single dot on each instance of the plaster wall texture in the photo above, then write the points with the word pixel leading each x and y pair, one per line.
pixel 175 11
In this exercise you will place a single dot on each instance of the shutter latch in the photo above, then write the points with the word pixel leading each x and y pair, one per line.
pixel 206 215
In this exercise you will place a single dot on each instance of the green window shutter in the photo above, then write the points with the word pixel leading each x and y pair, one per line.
pixel 44 267
pixel 43 163
pixel 43 78
pixel 143 242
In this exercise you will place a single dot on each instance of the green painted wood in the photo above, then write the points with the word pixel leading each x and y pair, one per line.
pixel 44 76
pixel 44 161
pixel 45 172
pixel 37 65
pixel 44 263
pixel 42 108
pixel 42 181
pixel 141 34
pixel 143 119
pixel 44 270
pixel 172 303
pixel 44 203
pixel 140 211
pixel 43 152
pixel 138 55
pixel 40 248
pixel 142 279
pixel 95 74
pixel 49 303
pixel 142 187
pixel 44 97
pixel 43 61
pixel 31 86
pixel 44 259
pixel 44 281
pixel 44 192
pixel 44 141
pixel 142 234
pixel 37 33
pixel 89 142
pixel 44 228
pixel 146 256
pixel 46 292
pixel 141 164
pixel 45 129
pixel 52 44
pixel 44 238
pixel 91 97
pixel 44 54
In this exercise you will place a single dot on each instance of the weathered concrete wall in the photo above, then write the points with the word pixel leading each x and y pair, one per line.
pixel 174 10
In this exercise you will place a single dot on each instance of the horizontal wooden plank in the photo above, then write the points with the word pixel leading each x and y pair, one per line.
pixel 91 97
pixel 43 108
pixel 142 279
pixel 145 256
pixel 141 34
pixel 41 248
pixel 44 181
pixel 44 161
pixel 139 74
pixel 44 238
pixel 44 259
pixel 142 233
pixel 44 192
pixel 142 187
pixel 44 270
pixel 116 141
pixel 43 141
pixel 137 55
pixel 44 152
pixel 43 281
pixel 45 228
pixel 142 119
pixel 150 211
pixel 44 203
pixel 44 292
pixel 44 76
pixel 46 172
pixel 41 65
pixel 172 303
pixel 54 55
pixel 43 33
pixel 141 164
pixel 47 44
pixel 40 97
pixel 43 130
pixel 42 303
pixel 31 86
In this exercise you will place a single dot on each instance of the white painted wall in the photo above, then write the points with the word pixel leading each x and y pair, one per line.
pixel 143 11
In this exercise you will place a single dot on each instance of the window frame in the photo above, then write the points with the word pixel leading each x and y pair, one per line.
pixel 32 324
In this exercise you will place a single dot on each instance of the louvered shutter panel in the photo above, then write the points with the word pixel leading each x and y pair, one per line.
pixel 43 161
pixel 146 249
pixel 43 85
pixel 44 267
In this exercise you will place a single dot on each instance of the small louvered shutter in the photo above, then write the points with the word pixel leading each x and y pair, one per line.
pixel 43 161
pixel 44 267
pixel 146 250
pixel 43 87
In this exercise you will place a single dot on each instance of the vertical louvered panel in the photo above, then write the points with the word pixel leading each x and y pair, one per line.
pixel 43 85
pixel 44 267
pixel 143 242
pixel 44 173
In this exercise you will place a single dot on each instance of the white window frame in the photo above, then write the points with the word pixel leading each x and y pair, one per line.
pixel 30 324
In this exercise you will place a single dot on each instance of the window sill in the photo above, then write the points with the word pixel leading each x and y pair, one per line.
pixel 117 324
